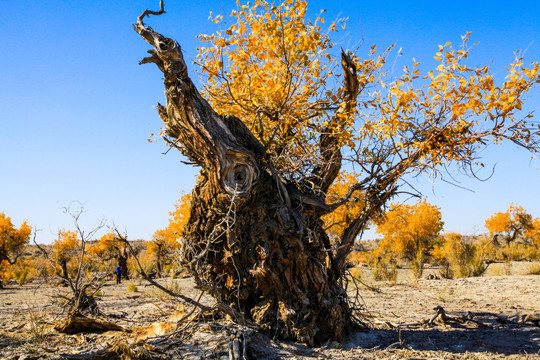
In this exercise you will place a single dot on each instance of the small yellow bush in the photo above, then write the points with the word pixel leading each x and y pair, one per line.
pixel 147 261
pixel 357 257
pixel 384 266
pixel 356 272
pixel 534 269
pixel 459 258
pixel 22 278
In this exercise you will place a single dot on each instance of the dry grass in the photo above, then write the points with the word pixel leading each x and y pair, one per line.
pixel 534 269
pixel 25 330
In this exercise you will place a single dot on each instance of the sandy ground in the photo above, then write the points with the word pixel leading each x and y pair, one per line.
pixel 490 317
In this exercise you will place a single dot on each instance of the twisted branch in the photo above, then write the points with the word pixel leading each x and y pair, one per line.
pixel 150 12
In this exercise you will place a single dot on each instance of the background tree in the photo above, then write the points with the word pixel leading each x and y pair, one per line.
pixel 410 230
pixel 533 232
pixel 84 278
pixel 511 224
pixel 12 241
pixel 162 246
pixel 255 237
pixel 64 249
pixel 166 241
pixel 110 247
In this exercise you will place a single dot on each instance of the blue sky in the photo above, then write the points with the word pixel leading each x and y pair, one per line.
pixel 76 110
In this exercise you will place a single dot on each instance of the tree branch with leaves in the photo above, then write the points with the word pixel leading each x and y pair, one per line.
pixel 281 119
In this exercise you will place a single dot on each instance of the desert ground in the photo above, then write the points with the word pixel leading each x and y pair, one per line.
pixel 495 316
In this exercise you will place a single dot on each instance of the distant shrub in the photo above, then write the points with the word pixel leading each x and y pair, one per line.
pixel 132 287
pixel 517 251
pixel 385 268
pixel 507 266
pixel 22 276
pixel 495 270
pixel 532 252
pixel 458 258
pixel 356 272
pixel 417 264
pixel 510 252
pixel 23 272
pixel 534 269
pixel 40 267
pixel 357 257
pixel 174 286
pixel 147 261
pixel 487 247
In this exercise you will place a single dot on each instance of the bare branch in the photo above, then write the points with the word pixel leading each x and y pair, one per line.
pixel 154 283
pixel 150 12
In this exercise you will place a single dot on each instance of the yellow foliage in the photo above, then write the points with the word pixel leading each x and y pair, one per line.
pixel 12 240
pixel 457 111
pixel 147 261
pixel 269 61
pixel 407 229
pixel 180 215
pixel 514 251
pixel 515 221
pixel 271 67
pixel 65 246
pixel 166 240
pixel 27 269
pixel 458 258
pixel 358 257
pixel 410 230
pixel 40 267
pixel 337 221
pixel 108 246
pixel 4 270
pixel 384 265
pixel 533 232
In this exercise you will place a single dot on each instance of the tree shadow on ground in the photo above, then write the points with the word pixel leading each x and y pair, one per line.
pixel 218 340
pixel 507 341
pixel 372 344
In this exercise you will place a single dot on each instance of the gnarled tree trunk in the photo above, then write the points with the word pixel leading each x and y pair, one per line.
pixel 122 258
pixel 253 241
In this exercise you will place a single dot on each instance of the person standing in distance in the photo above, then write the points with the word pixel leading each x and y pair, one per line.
pixel 118 274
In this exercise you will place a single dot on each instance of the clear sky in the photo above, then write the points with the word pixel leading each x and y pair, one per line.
pixel 76 110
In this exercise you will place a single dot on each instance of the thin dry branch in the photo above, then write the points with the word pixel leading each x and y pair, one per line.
pixel 154 283
pixel 150 12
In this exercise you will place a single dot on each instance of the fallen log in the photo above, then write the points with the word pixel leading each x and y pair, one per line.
pixel 78 323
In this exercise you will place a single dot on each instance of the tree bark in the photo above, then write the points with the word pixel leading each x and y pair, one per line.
pixel 63 266
pixel 249 242
pixel 122 259
pixel 159 263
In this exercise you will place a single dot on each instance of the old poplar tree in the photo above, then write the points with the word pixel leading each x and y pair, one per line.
pixel 272 134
